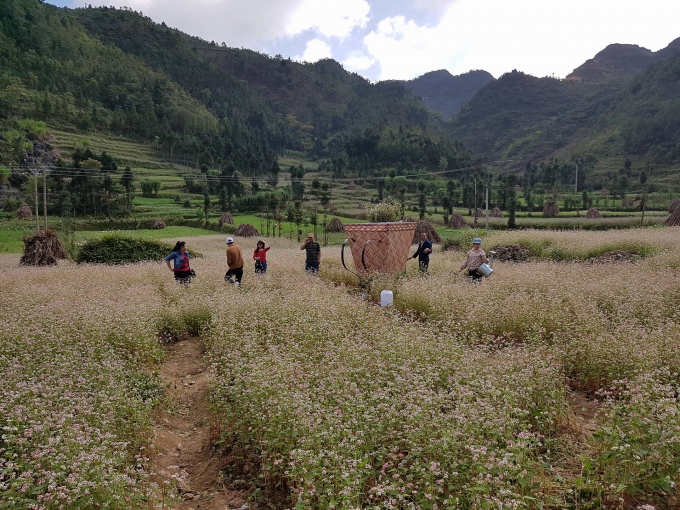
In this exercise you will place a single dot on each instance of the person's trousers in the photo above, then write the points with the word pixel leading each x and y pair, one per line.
pixel 423 265
pixel 312 267
pixel 476 276
pixel 238 273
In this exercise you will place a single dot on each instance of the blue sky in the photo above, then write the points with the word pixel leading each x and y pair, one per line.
pixel 400 39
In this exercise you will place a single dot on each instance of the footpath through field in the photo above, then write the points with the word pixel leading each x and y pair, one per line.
pixel 184 456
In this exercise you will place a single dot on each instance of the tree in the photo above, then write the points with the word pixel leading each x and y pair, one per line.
pixel 422 205
pixel 206 207
pixel 127 181
pixel 512 200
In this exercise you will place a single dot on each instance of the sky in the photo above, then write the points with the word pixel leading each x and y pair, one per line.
pixel 403 39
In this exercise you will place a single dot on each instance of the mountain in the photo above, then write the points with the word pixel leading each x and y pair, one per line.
pixel 117 72
pixel 622 103
pixel 328 110
pixel 445 93
pixel 620 61
pixel 54 70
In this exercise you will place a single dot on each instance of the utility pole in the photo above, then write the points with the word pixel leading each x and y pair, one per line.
pixel 576 180
pixel 475 213
pixel 487 208
pixel 45 195
pixel 35 194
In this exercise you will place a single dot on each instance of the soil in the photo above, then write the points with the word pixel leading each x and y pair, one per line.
pixel 584 412
pixel 616 256
pixel 184 455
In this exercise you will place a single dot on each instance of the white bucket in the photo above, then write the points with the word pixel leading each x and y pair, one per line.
pixel 386 298
pixel 485 270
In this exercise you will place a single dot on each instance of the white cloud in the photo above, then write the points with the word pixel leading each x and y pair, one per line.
pixel 316 50
pixel 357 62
pixel 331 18
pixel 535 36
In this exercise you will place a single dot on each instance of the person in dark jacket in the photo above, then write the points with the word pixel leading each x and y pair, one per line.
pixel 423 252
pixel 180 256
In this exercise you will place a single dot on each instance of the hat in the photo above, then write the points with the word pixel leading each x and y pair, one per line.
pixel 310 235
pixel 476 240
pixel 230 240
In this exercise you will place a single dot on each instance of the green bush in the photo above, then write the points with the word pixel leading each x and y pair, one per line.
pixel 117 249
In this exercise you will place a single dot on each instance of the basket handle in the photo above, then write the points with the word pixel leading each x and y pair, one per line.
pixel 363 252
pixel 342 257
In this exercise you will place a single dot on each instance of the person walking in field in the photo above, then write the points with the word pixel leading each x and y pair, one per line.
pixel 234 263
pixel 313 254
pixel 260 257
pixel 423 252
pixel 475 258
pixel 180 256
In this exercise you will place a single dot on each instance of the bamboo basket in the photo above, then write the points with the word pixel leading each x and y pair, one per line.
pixel 380 247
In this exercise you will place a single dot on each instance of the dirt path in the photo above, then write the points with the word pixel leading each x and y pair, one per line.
pixel 584 412
pixel 184 455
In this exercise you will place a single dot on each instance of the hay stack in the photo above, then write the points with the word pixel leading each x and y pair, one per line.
pixel 550 209
pixel 432 235
pixel 361 216
pixel 479 213
pixel 24 212
pixel 457 221
pixel 158 224
pixel 674 219
pixel 361 206
pixel 226 219
pixel 407 219
pixel 43 249
pixel 593 214
pixel 511 252
pixel 495 213
pixel 335 226
pixel 674 206
pixel 246 230
pixel 351 186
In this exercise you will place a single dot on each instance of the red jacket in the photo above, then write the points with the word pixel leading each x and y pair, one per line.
pixel 261 255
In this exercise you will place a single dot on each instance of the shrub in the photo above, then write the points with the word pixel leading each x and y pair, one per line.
pixel 389 210
pixel 117 249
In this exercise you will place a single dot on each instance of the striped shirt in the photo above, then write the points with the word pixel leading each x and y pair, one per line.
pixel 475 258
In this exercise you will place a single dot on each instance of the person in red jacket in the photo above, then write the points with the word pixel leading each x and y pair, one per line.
pixel 260 257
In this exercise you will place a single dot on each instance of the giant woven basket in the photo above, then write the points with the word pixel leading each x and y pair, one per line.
pixel 381 247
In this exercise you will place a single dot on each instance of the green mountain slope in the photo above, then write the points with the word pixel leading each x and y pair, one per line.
pixel 52 70
pixel 445 93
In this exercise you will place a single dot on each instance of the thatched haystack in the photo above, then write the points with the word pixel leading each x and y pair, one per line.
pixel 361 206
pixel 674 206
pixel 226 219
pixel 511 252
pixel 361 216
pixel 479 213
pixel 495 213
pixel 408 219
pixel 550 209
pixel 457 221
pixel 246 230
pixel 335 225
pixel 158 224
pixel 43 249
pixel 24 212
pixel 593 214
pixel 351 186
pixel 432 235
pixel 674 218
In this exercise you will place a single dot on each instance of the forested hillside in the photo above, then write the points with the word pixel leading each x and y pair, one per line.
pixel 52 70
pixel 627 108
pixel 445 93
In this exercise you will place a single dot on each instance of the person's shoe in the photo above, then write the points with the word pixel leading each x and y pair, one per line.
pixel 236 284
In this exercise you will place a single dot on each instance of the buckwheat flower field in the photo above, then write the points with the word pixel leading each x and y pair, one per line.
pixel 460 395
